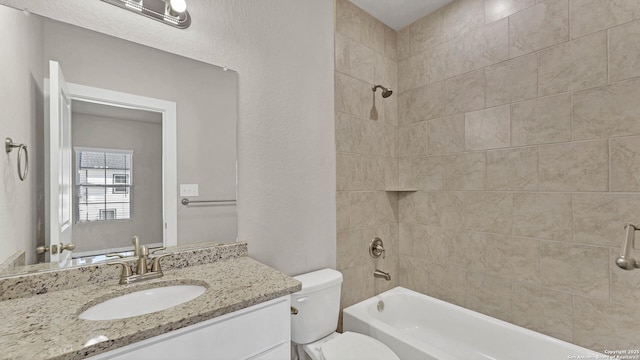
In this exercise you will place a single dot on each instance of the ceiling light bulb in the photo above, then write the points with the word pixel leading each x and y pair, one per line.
pixel 179 6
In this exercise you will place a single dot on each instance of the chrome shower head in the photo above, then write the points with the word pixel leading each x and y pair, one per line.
pixel 386 92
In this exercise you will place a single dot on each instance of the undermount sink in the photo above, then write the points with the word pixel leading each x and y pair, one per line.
pixel 143 302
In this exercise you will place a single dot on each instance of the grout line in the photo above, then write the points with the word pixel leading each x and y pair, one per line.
pixel 486 175
pixel 571 115
pixel 484 14
pixel 509 39
pixel 538 75
pixel 610 276
pixel 540 263
pixel 566 292
pixel 608 42
pixel 609 177
pixel 573 223
pixel 601 193
pixel 466 287
pixel 539 168
pixel 573 318
pixel 569 19
pixel 513 281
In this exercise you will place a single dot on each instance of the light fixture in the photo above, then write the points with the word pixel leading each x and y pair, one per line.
pixel 178 6
pixel 170 12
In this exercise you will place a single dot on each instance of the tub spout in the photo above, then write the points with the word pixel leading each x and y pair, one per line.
pixel 382 274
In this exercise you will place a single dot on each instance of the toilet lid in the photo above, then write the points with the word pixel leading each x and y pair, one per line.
pixel 354 346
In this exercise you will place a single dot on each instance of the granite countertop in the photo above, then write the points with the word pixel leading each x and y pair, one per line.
pixel 48 327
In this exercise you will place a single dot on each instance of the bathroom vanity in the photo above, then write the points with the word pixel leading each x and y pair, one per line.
pixel 244 313
pixel 259 332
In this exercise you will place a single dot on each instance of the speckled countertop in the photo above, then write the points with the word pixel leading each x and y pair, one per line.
pixel 48 327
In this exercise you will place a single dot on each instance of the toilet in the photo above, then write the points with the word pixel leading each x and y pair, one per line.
pixel 313 327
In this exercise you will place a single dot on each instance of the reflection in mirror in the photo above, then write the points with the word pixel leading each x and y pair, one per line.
pixel 106 158
pixel 106 139
pixel 120 172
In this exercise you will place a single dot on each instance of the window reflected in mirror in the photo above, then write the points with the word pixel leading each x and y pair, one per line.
pixel 103 184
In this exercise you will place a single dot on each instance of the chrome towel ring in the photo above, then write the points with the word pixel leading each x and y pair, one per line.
pixel 9 145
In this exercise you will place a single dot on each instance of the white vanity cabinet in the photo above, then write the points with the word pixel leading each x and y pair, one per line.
pixel 259 332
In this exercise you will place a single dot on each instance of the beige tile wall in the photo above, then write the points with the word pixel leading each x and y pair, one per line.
pixel 519 123
pixel 367 147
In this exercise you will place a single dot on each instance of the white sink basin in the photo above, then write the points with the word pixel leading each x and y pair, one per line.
pixel 143 302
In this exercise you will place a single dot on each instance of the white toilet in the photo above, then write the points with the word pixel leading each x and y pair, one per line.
pixel 313 327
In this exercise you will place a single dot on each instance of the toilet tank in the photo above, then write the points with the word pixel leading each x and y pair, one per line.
pixel 318 305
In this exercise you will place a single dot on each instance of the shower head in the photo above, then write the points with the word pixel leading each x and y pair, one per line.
pixel 386 92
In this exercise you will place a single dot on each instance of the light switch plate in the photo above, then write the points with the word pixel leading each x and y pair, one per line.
pixel 188 189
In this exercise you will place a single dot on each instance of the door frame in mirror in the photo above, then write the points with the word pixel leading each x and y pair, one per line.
pixel 169 144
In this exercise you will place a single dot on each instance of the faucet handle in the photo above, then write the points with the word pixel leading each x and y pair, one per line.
pixel 158 249
pixel 155 264
pixel 376 248
pixel 126 268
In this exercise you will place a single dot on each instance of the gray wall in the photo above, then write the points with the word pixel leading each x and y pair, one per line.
pixel 21 103
pixel 145 139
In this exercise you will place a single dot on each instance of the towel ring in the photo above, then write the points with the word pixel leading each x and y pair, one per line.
pixel 9 145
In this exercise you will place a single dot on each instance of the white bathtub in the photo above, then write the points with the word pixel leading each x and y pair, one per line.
pixel 419 327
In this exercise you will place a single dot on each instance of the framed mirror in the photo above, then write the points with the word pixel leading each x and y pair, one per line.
pixel 145 130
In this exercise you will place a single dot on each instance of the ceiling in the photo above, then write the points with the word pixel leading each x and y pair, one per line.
pixel 399 13
pixel 115 112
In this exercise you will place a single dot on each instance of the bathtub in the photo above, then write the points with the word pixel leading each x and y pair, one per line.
pixel 419 327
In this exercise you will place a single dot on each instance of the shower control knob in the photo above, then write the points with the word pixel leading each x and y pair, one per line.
pixel 376 248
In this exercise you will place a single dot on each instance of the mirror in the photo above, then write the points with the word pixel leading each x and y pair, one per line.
pixel 129 164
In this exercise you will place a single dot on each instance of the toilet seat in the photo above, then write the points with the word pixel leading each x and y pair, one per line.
pixel 351 346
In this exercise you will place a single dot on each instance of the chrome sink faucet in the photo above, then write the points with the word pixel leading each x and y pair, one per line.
pixel 142 266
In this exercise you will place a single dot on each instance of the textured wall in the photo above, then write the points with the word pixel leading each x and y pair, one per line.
pixel 519 123
pixel 366 146
pixel 283 53
pixel 21 100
